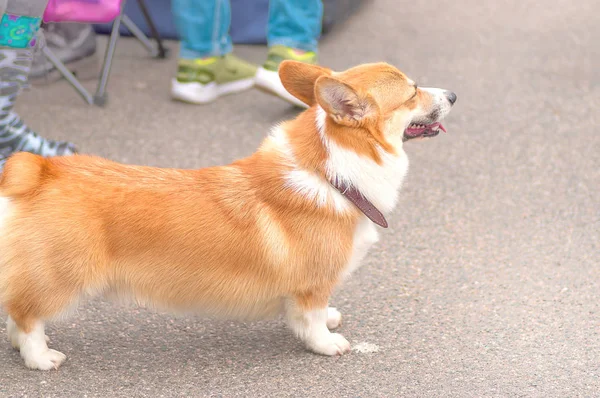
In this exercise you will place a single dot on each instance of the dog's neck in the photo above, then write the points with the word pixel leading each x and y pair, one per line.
pixel 378 182
pixel 316 164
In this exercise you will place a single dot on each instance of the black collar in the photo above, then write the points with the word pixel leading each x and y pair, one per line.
pixel 354 196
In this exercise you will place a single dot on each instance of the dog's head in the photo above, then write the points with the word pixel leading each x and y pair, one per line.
pixel 376 97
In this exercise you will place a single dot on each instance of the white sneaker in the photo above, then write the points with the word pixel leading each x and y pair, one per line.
pixel 267 77
pixel 198 93
pixel 202 80
pixel 270 82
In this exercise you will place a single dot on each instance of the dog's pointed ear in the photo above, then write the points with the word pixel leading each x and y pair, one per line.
pixel 343 103
pixel 299 79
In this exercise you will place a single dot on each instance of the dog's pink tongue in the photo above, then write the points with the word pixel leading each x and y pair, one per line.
pixel 442 128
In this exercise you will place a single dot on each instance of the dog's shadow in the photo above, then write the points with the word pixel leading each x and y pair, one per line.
pixel 102 338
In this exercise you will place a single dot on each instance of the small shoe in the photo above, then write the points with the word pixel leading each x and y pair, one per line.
pixel 200 81
pixel 267 77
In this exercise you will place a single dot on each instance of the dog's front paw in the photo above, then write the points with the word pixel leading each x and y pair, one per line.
pixel 334 318
pixel 331 344
pixel 49 359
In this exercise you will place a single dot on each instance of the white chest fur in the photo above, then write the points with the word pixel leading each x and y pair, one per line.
pixel 365 236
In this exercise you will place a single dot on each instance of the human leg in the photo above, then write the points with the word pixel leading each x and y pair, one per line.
pixel 19 24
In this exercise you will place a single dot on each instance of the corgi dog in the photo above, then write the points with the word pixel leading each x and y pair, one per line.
pixel 273 233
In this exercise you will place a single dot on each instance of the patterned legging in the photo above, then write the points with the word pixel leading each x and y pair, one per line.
pixel 19 24
pixel 20 21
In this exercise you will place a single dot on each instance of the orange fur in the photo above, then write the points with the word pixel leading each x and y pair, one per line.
pixel 175 238
pixel 232 240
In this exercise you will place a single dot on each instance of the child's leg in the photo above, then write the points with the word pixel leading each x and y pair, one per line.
pixel 203 26
pixel 207 69
pixel 292 34
pixel 19 25
pixel 295 24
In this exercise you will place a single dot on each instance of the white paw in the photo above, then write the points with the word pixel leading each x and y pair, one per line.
pixel 331 344
pixel 334 318
pixel 49 359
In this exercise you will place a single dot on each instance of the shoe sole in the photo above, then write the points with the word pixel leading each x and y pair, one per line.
pixel 269 82
pixel 197 93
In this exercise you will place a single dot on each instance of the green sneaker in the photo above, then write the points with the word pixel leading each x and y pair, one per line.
pixel 200 81
pixel 267 77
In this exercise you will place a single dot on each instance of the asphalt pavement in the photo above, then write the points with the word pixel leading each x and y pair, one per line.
pixel 487 283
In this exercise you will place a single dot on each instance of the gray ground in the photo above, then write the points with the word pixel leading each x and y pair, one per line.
pixel 487 283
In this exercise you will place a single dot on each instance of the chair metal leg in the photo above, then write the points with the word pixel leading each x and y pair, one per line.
pixel 137 32
pixel 100 96
pixel 162 51
pixel 68 75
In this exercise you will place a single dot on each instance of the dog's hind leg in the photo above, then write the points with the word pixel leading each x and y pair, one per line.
pixel 29 337
pixel 13 333
pixel 30 302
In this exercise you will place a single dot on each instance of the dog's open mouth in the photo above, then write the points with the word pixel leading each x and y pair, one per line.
pixel 423 130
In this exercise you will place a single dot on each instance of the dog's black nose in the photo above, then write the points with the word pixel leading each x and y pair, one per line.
pixel 451 97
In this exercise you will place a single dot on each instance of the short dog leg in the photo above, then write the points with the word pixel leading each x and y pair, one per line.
pixel 30 339
pixel 13 336
pixel 309 319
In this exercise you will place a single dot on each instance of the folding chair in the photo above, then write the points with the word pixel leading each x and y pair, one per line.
pixel 100 11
